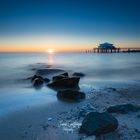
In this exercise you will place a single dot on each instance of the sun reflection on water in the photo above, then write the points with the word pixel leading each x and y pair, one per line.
pixel 50 59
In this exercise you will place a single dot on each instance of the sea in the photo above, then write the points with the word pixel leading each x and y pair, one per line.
pixel 101 70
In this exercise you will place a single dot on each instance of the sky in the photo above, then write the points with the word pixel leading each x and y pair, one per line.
pixel 68 25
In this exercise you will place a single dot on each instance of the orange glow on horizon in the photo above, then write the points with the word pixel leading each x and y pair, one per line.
pixel 42 50
pixel 35 48
pixel 43 43
pixel 56 44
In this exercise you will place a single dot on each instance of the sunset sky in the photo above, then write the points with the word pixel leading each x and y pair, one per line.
pixel 68 25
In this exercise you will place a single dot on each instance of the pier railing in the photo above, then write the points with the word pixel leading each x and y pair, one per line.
pixel 116 50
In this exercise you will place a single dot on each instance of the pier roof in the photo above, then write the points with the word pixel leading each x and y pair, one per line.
pixel 106 45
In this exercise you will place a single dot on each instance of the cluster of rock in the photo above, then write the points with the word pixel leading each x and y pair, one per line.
pixel 94 123
pixel 65 85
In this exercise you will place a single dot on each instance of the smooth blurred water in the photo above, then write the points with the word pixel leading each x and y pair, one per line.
pixel 98 68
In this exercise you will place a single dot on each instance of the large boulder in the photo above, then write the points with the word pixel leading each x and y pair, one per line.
pixel 37 83
pixel 70 95
pixel 123 109
pixel 61 76
pixel 96 123
pixel 58 77
pixel 65 82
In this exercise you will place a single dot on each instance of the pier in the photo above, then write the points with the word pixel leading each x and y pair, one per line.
pixel 110 48
pixel 117 50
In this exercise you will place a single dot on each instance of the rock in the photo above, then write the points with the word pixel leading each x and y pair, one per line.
pixel 46 80
pixel 79 74
pixel 65 74
pixel 47 71
pixel 70 95
pixel 96 123
pixel 61 76
pixel 65 82
pixel 36 76
pixel 58 77
pixel 38 82
pixel 123 109
pixel 86 109
pixel 49 119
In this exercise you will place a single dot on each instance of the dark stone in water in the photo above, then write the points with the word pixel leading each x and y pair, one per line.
pixel 58 77
pixel 66 82
pixel 70 95
pixel 46 80
pixel 38 82
pixel 36 76
pixel 61 76
pixel 123 109
pixel 79 74
pixel 96 123
pixel 65 74
pixel 46 71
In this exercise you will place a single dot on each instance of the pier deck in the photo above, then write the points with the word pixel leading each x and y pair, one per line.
pixel 117 50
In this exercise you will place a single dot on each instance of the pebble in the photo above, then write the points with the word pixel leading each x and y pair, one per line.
pixel 49 119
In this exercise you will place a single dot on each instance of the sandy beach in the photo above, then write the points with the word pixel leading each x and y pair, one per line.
pixel 61 120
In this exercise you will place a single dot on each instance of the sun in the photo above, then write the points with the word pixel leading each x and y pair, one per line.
pixel 50 50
